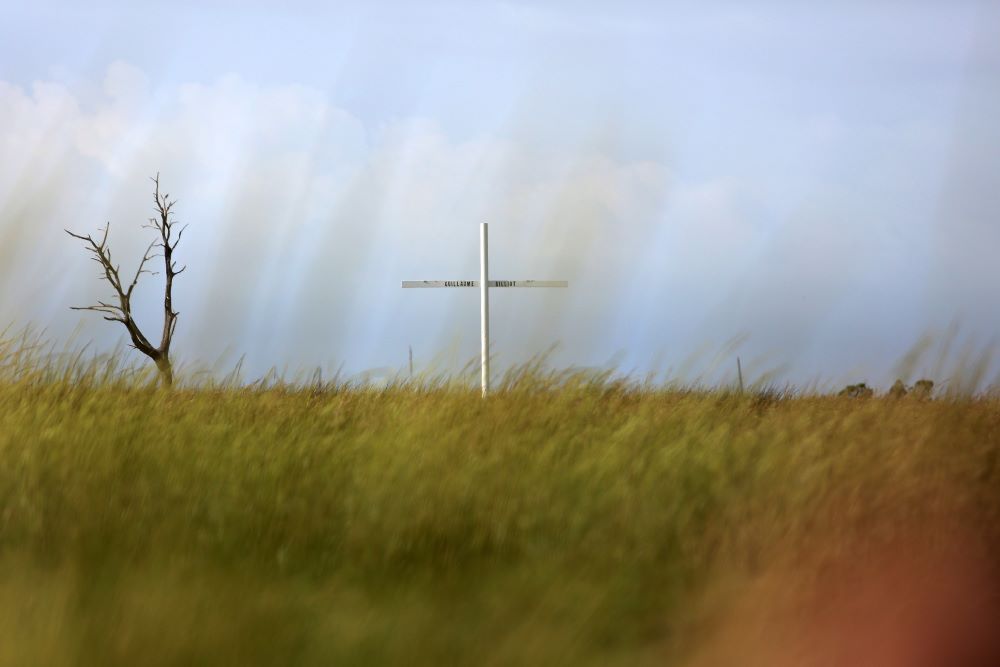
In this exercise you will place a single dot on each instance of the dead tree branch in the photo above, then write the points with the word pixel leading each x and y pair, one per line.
pixel 168 235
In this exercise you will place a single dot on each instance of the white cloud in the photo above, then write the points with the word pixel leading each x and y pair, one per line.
pixel 304 219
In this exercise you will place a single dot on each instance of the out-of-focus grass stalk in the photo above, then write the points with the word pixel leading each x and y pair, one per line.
pixel 574 517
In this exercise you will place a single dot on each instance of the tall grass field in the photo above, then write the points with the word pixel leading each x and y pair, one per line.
pixel 566 520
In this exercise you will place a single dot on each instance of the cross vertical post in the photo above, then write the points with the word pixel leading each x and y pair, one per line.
pixel 484 284
pixel 484 298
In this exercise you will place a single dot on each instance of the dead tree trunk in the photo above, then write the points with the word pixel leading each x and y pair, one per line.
pixel 168 236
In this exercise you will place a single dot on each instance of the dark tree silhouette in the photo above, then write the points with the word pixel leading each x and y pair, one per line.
pixel 167 238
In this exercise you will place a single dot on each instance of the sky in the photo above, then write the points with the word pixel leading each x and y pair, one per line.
pixel 813 187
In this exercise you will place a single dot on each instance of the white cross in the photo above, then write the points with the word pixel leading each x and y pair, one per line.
pixel 484 283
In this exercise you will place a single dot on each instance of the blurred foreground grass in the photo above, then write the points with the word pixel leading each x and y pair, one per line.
pixel 566 520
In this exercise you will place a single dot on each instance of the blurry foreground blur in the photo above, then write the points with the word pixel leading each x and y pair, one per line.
pixel 569 519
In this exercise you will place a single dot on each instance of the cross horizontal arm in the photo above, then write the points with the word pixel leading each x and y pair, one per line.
pixel 492 283
pixel 529 283
pixel 440 283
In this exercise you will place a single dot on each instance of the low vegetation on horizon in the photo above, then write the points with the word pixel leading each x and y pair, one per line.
pixel 568 519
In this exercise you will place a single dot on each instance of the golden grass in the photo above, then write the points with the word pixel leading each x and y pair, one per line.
pixel 566 520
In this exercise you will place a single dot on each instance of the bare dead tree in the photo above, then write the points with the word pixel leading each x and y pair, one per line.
pixel 168 235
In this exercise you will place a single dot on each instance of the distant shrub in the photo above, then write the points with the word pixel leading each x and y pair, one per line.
pixel 922 389
pixel 898 390
pixel 860 390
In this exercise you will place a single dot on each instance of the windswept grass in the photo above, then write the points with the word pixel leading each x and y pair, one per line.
pixel 569 519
